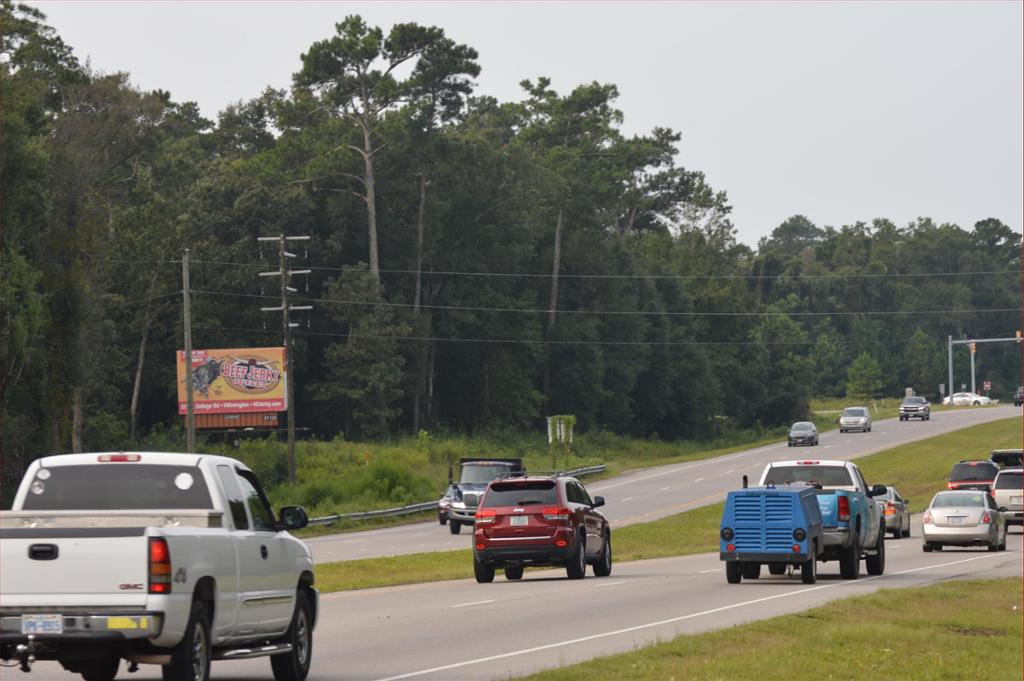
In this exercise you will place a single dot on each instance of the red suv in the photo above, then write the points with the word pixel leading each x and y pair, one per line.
pixel 973 475
pixel 540 521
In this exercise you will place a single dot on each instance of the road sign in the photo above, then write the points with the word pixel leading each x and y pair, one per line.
pixel 987 385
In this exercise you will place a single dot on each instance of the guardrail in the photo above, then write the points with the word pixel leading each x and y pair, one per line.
pixel 425 506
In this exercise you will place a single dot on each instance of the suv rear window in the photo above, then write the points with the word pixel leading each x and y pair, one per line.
pixel 829 476
pixel 1007 480
pixel 520 494
pixel 964 472
pixel 117 486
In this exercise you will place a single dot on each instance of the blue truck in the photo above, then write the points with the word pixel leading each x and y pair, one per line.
pixel 778 526
pixel 853 527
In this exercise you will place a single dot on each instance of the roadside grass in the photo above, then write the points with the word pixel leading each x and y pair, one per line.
pixel 917 470
pixel 972 631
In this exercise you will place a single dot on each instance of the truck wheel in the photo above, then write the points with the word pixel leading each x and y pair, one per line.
pixel 776 568
pixel 603 566
pixel 454 526
pixel 514 572
pixel 926 547
pixel 751 570
pixel 809 570
pixel 576 568
pixel 849 560
pixel 484 573
pixel 190 659
pixel 442 520
pixel 732 572
pixel 100 670
pixel 294 666
pixel 876 563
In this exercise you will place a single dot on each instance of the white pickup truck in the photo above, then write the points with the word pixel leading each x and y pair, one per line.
pixel 156 558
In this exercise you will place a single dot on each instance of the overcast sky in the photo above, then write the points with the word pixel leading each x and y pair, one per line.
pixel 839 111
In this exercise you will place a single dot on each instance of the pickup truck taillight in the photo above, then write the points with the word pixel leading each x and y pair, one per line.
pixel 159 566
pixel 844 508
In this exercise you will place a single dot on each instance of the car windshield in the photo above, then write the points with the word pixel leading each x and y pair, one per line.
pixel 855 411
pixel 828 476
pixel 127 486
pixel 913 400
pixel 802 426
pixel 481 474
pixel 1010 480
pixel 981 470
pixel 958 500
pixel 520 494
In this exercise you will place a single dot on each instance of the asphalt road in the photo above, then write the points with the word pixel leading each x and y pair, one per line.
pixel 652 493
pixel 449 631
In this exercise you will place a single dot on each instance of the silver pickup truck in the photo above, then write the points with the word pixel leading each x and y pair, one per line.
pixel 154 558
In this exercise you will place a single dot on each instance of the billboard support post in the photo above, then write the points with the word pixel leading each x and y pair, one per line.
pixel 190 414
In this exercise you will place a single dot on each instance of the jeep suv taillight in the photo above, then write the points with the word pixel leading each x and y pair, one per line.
pixel 556 513
pixel 486 515
pixel 159 566
pixel 844 508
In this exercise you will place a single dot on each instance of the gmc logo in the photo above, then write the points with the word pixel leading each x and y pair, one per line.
pixel 130 587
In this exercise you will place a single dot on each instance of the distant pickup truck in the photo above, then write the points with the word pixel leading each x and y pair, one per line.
pixel 463 496
pixel 852 523
pixel 168 559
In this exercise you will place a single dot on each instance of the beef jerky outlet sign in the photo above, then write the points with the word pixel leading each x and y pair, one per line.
pixel 234 381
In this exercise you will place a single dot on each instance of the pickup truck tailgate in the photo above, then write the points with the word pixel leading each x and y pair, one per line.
pixel 107 561
pixel 828 503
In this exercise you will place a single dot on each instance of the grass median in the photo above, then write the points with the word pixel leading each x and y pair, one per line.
pixel 918 470
pixel 880 635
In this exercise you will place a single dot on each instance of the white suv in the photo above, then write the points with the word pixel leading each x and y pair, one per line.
pixel 1008 490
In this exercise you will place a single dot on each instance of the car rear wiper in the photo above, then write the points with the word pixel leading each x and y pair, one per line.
pixel 526 502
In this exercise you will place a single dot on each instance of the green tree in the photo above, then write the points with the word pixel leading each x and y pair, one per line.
pixel 864 377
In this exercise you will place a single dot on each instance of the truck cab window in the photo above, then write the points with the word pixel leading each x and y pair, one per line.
pixel 233 495
pixel 262 516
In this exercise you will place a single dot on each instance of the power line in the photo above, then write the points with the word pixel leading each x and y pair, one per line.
pixel 768 313
pixel 641 276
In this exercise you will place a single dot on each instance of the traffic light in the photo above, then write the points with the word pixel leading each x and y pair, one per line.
pixel 974 347
pixel 1018 337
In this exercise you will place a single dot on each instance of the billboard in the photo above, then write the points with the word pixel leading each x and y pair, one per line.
pixel 234 381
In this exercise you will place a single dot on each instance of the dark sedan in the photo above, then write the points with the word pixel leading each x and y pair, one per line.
pixel 803 433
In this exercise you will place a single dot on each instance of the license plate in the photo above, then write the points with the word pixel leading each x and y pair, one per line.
pixel 42 624
pixel 519 520
pixel 1016 500
pixel 956 519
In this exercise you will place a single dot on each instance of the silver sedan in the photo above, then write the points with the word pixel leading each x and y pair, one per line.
pixel 896 512
pixel 963 518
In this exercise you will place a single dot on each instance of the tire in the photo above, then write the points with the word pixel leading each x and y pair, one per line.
pixel 927 547
pixel 484 573
pixel 732 572
pixel 576 568
pixel 294 665
pixel 776 568
pixel 842 430
pixel 442 520
pixel 100 670
pixel 1002 546
pixel 976 403
pixel 876 563
pixel 514 572
pixel 993 547
pixel 906 533
pixel 603 566
pixel 454 526
pixel 750 570
pixel 789 444
pixel 809 570
pixel 815 442
pixel 190 659
pixel 849 561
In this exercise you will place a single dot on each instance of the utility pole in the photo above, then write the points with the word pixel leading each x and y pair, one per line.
pixel 190 414
pixel 286 332
pixel 974 351
pixel 949 356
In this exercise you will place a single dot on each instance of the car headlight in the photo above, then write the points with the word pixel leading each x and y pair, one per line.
pixel 458 504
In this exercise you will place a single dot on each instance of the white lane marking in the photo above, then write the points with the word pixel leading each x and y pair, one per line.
pixel 698 479
pixel 609 583
pixel 731 470
pixel 665 489
pixel 672 620
pixel 627 498
pixel 707 572
pixel 466 605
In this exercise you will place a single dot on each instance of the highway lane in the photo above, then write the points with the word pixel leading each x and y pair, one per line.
pixel 449 631
pixel 651 493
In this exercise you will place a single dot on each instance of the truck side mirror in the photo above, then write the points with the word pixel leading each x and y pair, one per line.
pixel 877 490
pixel 292 518
pixel 598 501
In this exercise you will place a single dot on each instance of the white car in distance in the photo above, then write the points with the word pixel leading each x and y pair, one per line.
pixel 966 400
